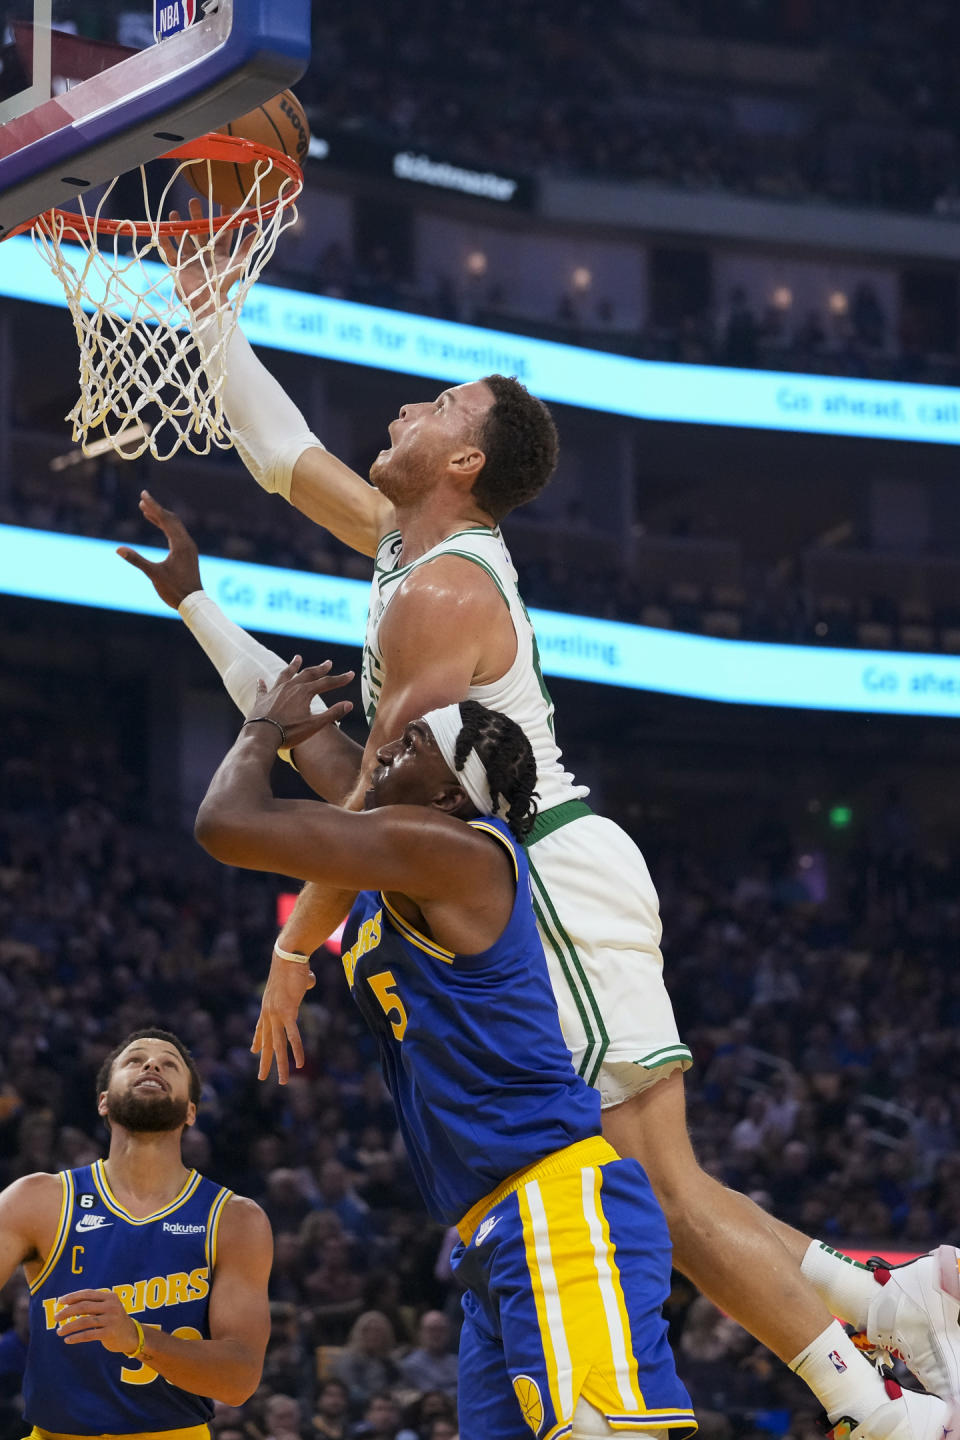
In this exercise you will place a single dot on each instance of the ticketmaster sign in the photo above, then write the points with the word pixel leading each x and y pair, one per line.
pixel 648 390
pixel 324 609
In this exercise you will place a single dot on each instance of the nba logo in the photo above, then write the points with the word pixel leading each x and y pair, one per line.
pixel 837 1361
pixel 171 16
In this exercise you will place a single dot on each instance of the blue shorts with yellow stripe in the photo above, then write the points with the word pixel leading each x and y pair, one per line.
pixel 567 1267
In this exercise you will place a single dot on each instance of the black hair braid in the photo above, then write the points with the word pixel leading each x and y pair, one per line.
pixel 506 756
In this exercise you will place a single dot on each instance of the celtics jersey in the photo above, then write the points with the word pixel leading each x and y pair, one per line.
pixel 161 1267
pixel 520 693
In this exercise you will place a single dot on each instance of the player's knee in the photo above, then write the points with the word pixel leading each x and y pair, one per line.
pixel 589 1424
pixel 651 1128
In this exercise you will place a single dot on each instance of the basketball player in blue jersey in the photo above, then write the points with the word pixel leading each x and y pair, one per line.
pixel 564 1249
pixel 447 622
pixel 148 1282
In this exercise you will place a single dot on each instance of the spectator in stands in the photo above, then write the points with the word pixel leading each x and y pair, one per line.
pixel 381 1420
pixel 285 1200
pixel 366 1364
pixel 431 1406
pixel 331 1410
pixel 283 1418
pixel 336 1193
pixel 334 1290
pixel 432 1365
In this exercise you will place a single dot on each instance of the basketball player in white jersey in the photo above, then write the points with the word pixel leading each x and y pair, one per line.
pixel 447 623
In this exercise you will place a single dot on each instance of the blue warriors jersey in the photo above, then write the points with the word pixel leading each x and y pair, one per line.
pixel 161 1267
pixel 470 1045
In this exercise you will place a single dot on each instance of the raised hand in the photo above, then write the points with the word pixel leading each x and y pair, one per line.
pixel 203 275
pixel 287 702
pixel 277 1027
pixel 178 575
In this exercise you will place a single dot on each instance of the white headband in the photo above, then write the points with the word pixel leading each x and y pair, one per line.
pixel 445 726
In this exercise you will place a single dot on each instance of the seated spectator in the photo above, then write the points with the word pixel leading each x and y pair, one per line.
pixel 334 1291
pixel 335 1192
pixel 288 1360
pixel 432 1365
pixel 431 1406
pixel 283 1418
pixel 285 1200
pixel 366 1364
pixel 381 1421
pixel 383 1291
pixel 331 1410
pixel 440 1428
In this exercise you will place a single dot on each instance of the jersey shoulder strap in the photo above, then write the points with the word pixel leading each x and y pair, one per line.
pixel 479 545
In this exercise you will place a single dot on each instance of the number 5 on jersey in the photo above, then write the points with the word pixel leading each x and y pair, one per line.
pixel 383 986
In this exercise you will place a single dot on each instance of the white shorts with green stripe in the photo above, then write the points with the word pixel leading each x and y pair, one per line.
pixel 599 920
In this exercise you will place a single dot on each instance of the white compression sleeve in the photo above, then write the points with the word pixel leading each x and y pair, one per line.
pixel 268 430
pixel 239 659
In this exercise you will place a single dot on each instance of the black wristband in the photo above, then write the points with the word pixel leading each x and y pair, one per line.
pixel 267 720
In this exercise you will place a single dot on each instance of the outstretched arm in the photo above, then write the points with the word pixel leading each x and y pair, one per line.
pixel 271 435
pixel 330 762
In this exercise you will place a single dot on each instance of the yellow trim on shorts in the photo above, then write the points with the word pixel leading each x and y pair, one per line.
pixel 192 1432
pixel 623 1360
pixel 556 1350
pixel 63 1230
pixel 593 1151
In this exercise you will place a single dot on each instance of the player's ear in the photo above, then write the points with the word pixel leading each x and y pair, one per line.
pixel 191 1115
pixel 102 1103
pixel 468 461
pixel 451 798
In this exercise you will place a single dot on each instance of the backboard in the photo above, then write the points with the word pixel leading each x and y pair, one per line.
pixel 92 88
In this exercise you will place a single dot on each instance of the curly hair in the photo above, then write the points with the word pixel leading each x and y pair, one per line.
pixel 150 1032
pixel 519 442
pixel 506 756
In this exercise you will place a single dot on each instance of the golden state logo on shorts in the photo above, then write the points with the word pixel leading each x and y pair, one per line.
pixel 527 1392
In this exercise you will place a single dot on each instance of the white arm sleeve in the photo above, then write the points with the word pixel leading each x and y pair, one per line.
pixel 267 428
pixel 239 659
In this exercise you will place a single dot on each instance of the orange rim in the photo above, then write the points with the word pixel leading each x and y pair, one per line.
pixel 215 146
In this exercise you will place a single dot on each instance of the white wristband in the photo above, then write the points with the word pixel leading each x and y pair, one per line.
pixel 293 955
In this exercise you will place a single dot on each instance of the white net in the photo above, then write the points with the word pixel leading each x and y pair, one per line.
pixel 137 291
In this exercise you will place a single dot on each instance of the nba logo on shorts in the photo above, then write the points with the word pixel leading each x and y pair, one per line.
pixel 837 1361
pixel 169 16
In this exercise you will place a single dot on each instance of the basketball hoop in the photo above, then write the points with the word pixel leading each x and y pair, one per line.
pixel 140 362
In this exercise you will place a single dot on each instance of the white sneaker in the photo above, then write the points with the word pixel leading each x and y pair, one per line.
pixel 916 1316
pixel 907 1415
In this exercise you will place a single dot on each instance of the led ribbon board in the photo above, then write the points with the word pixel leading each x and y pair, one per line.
pixel 325 609
pixel 354 334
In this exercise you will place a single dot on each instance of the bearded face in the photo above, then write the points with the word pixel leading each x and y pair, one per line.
pixel 149 1089
pixel 142 1109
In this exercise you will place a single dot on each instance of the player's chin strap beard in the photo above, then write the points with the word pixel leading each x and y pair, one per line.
pixel 445 726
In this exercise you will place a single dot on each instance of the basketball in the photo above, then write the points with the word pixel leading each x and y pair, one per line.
pixel 280 123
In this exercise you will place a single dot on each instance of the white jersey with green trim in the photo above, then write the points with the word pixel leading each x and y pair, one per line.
pixel 520 693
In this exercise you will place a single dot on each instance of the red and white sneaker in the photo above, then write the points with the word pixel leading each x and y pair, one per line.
pixel 915 1315
pixel 906 1415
